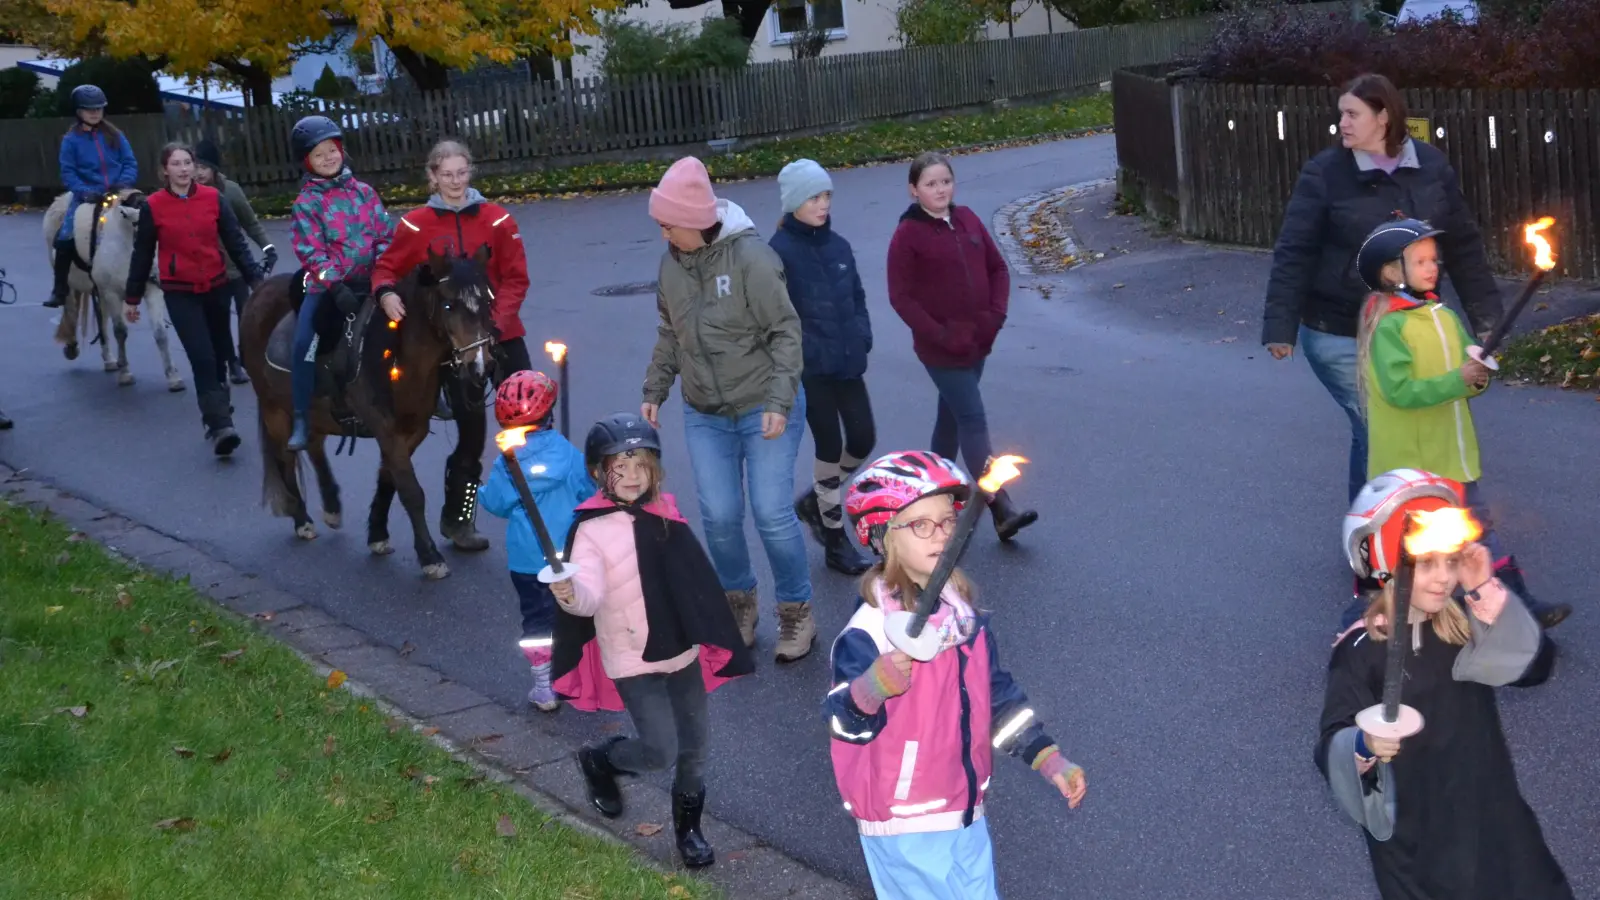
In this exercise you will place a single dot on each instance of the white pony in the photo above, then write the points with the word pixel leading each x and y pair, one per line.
pixel 109 278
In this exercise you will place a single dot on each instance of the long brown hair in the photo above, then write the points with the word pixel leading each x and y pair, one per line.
pixel 112 133
pixel 928 160
pixel 1380 95
pixel 1372 309
pixel 166 154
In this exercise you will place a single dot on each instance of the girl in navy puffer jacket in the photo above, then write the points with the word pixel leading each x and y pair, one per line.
pixel 836 336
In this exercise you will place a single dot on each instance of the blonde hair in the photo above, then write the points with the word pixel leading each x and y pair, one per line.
pixel 652 465
pixel 1450 623
pixel 898 582
pixel 446 149
pixel 1374 308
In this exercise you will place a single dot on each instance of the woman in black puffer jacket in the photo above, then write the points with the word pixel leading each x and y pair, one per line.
pixel 1344 192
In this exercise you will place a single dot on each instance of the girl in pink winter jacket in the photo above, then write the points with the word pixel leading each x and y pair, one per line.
pixel 912 741
pixel 642 625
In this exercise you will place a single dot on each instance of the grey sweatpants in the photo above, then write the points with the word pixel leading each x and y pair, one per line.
pixel 669 712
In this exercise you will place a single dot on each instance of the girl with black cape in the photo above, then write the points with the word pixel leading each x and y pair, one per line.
pixel 1443 816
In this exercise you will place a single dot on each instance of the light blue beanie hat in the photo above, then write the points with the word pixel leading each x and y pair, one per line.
pixel 800 181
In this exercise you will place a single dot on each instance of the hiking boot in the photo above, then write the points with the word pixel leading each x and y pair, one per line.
pixel 301 434
pixel 796 631
pixel 1008 520
pixel 807 510
pixel 745 614
pixel 458 517
pixel 600 777
pixel 842 553
pixel 237 374
pixel 693 849
pixel 1549 615
pixel 224 440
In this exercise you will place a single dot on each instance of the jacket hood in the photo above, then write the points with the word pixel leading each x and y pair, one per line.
pixel 916 213
pixel 665 505
pixel 735 221
pixel 313 181
pixel 473 200
pixel 543 468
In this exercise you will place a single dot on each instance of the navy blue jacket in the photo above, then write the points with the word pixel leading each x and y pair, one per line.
pixel 92 163
pixel 825 288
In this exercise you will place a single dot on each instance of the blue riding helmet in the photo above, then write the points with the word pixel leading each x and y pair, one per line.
pixel 87 96
pixel 311 131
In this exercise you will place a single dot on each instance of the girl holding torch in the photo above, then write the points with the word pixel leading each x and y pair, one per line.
pixel 1416 371
pixel 916 713
pixel 1432 782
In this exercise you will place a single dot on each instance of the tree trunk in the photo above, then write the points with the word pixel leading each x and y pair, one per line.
pixel 748 13
pixel 254 81
pixel 427 73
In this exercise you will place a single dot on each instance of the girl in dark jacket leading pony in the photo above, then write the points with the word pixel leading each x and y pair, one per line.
pixel 96 159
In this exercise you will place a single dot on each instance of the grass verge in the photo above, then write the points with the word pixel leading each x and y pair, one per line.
pixel 1566 354
pixel 152 746
pixel 869 144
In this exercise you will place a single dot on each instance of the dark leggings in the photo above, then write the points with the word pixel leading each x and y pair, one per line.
pixel 961 422
pixel 201 321
pixel 240 292
pixel 669 712
pixel 832 401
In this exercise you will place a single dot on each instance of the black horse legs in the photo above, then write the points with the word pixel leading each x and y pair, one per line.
pixel 327 487
pixel 378 515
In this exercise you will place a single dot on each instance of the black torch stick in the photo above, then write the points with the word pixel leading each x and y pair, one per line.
pixel 508 442
pixel 558 352
pixel 1543 261
pixel 1394 671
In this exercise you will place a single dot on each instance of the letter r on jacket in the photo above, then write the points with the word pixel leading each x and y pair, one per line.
pixel 724 285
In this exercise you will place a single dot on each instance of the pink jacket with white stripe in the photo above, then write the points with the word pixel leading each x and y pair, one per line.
pixel 922 762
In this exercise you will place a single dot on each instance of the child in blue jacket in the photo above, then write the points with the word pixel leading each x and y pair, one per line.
pixel 559 481
pixel 836 333
pixel 96 159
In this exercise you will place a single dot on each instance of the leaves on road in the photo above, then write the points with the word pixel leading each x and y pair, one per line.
pixel 647 829
pixel 407 649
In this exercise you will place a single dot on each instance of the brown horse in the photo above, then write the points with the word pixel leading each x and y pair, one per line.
pixel 381 381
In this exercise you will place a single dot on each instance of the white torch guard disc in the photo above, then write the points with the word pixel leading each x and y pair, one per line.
pixel 921 648
pixel 1408 723
pixel 1489 362
pixel 549 576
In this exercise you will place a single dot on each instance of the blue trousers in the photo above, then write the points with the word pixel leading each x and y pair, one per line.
pixel 1333 361
pixel 937 865
pixel 538 605
pixel 304 376
pixel 64 233
pixel 961 422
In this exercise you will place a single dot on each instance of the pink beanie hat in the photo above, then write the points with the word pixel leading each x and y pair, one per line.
pixel 684 196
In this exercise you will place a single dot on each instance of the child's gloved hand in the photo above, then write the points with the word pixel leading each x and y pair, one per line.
pixel 563 592
pixel 888 676
pixel 1067 776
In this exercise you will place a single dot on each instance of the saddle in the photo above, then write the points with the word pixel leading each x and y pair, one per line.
pixel 337 347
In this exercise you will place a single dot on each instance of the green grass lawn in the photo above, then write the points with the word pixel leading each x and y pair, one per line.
pixel 1567 354
pixel 151 746
pixel 881 142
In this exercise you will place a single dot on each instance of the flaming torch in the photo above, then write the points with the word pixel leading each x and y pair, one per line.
pixel 508 441
pixel 906 630
pixel 1444 530
pixel 558 352
pixel 1543 261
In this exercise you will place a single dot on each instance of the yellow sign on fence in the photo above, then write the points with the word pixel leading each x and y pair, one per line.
pixel 1419 129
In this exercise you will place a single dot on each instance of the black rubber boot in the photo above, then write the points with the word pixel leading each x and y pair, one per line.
pixel 301 434
pixel 1549 615
pixel 809 512
pixel 1008 520
pixel 458 517
pixel 65 251
pixel 693 849
pixel 237 374
pixel 842 554
pixel 600 776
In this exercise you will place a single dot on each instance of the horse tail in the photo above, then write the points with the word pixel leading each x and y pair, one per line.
pixel 276 491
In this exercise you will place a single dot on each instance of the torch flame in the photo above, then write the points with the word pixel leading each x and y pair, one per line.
pixel 1542 255
pixel 512 437
pixel 1444 530
pixel 1001 470
pixel 556 349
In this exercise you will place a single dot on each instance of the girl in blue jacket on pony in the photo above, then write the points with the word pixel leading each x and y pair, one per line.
pixel 96 159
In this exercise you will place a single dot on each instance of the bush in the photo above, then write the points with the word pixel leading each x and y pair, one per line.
pixel 924 23
pixel 18 88
pixel 129 84
pixel 1497 52
pixel 636 48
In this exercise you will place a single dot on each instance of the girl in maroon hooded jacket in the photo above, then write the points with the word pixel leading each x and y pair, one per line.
pixel 950 284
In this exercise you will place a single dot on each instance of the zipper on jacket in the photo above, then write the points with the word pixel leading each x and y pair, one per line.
pixel 962 655
pixel 461 239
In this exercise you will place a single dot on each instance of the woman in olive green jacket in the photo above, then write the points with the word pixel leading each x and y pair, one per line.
pixel 208 170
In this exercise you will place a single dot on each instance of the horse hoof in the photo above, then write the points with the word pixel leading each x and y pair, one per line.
pixel 70 351
pixel 436 571
pixel 125 378
pixel 306 532
pixel 112 365
pixel 175 386
pixel 332 519
pixel 381 548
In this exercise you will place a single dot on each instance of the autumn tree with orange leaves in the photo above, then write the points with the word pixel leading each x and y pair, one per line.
pixel 257 40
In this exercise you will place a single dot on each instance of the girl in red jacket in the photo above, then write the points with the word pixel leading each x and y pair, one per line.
pixel 458 219
pixel 189 225
pixel 950 284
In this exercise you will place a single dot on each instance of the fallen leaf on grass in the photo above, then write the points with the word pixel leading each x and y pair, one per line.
pixel 1545 358
pixel 76 589
pixel 77 537
pixel 64 558
pixel 77 712
pixel 222 755
pixel 327 746
pixel 384 813
pixel 184 752
pixel 124 600
pixel 505 827
pixel 393 725
pixel 284 774
pixel 336 678
pixel 52 610
pixel 231 656
pixel 647 829
pixel 183 824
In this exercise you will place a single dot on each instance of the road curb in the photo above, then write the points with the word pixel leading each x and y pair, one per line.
pixel 504 744
pixel 1011 226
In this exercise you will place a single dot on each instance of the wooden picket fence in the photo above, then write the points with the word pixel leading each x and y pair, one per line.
pixel 512 126
pixel 1237 150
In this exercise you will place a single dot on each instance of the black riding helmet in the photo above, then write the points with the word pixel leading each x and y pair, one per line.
pixel 618 433
pixel 311 131
pixel 87 96
pixel 1387 243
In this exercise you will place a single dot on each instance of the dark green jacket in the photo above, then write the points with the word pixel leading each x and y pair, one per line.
pixel 234 196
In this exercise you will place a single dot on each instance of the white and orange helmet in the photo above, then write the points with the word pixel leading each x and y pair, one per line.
pixel 1376 521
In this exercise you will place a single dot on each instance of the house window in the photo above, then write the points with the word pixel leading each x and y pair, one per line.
pixel 789 17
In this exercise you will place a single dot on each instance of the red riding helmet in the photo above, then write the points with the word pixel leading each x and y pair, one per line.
pixel 893 482
pixel 525 398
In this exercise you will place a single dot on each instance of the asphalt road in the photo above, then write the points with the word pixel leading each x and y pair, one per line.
pixel 1170 614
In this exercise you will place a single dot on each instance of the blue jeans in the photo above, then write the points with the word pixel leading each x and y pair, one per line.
pixel 1333 361
pixel 961 422
pixel 65 232
pixel 304 378
pixel 722 452
pixel 538 604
